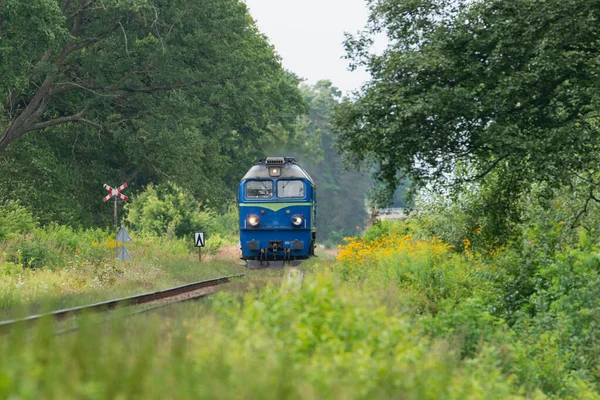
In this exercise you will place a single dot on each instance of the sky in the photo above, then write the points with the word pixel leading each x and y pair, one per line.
pixel 308 35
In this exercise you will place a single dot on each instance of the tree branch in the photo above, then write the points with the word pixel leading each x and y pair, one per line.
pixel 84 6
pixel 74 46
pixel 152 89
pixel 63 120
pixel 32 112
pixel 585 207
pixel 118 91
pixel 483 174
pixel 65 6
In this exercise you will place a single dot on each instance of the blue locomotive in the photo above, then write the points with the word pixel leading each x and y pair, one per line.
pixel 277 207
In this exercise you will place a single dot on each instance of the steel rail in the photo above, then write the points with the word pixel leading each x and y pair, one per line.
pixel 123 302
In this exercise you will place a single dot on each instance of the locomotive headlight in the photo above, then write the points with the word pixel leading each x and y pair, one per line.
pixel 297 220
pixel 253 220
pixel 275 171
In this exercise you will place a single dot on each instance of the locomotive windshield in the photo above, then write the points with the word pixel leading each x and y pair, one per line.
pixel 259 189
pixel 288 189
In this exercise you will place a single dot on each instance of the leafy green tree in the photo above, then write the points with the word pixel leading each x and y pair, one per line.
pixel 467 88
pixel 341 194
pixel 139 90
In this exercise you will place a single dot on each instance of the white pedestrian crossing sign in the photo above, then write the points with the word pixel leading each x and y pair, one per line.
pixel 199 239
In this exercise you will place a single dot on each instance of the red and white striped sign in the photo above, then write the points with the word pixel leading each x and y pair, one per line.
pixel 115 192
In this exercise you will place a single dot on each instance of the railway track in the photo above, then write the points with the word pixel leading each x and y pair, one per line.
pixel 168 296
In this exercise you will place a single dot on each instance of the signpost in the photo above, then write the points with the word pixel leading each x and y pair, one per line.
pixel 116 193
pixel 123 237
pixel 199 243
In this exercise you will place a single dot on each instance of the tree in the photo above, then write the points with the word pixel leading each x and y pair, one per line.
pixel 138 90
pixel 341 194
pixel 491 85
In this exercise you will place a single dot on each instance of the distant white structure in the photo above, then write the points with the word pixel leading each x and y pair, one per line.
pixel 392 213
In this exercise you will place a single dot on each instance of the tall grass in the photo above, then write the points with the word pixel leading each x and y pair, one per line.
pixel 322 341
pixel 397 316
pixel 77 267
pixel 548 345
pixel 62 266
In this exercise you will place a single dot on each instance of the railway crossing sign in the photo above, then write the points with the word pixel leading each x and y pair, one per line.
pixel 122 235
pixel 115 192
pixel 199 239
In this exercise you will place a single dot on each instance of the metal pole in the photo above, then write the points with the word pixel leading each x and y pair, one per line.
pixel 116 227
pixel 200 254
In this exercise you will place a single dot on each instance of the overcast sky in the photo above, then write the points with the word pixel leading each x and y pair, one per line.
pixel 308 35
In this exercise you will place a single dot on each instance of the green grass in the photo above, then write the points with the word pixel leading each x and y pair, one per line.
pixel 322 341
pixel 88 272
pixel 396 317
pixel 155 266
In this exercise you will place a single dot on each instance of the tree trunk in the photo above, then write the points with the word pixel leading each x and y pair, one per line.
pixel 30 114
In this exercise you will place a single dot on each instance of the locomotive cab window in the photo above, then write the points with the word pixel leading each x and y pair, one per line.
pixel 259 189
pixel 290 189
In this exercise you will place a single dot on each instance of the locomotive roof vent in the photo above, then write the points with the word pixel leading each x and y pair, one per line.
pixel 279 160
pixel 275 160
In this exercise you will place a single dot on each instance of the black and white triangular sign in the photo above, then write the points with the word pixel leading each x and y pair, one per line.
pixel 124 254
pixel 123 236
pixel 199 239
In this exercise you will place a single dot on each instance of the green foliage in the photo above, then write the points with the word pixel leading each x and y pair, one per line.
pixel 142 91
pixel 485 214
pixel 567 300
pixel 469 323
pixel 56 247
pixel 320 341
pixel 166 209
pixel 170 210
pixel 59 267
pixel 535 303
pixel 15 218
pixel 26 28
pixel 341 193
pixel 385 228
pixel 484 85
pixel 399 315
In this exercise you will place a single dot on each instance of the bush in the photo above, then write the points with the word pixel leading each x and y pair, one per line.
pixel 57 247
pixel 170 210
pixel 15 219
pixel 427 269
pixel 537 299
